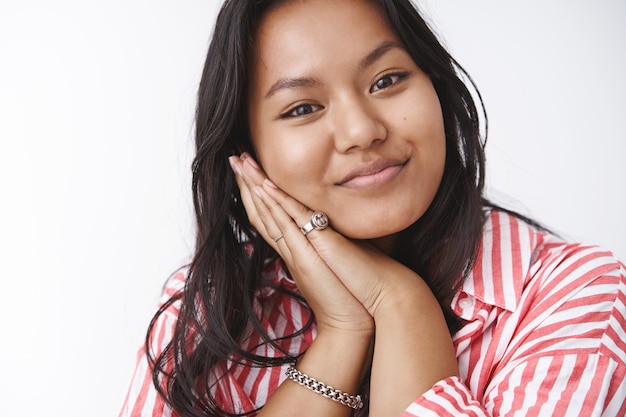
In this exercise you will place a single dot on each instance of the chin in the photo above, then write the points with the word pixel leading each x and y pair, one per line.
pixel 369 230
pixel 364 220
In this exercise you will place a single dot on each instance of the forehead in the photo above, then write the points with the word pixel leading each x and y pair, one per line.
pixel 304 35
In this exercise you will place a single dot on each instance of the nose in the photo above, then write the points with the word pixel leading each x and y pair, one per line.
pixel 357 125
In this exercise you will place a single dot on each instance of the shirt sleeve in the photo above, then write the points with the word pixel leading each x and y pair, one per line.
pixel 142 398
pixel 572 385
pixel 570 361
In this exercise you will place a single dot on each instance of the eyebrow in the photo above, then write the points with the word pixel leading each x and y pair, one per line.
pixel 291 84
pixel 377 53
pixel 304 82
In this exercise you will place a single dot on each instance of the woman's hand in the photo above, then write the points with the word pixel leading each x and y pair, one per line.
pixel 369 275
pixel 334 305
pixel 413 347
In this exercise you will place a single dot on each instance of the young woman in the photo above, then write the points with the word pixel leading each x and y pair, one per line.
pixel 346 261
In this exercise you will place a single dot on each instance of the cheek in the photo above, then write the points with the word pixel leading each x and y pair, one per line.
pixel 295 162
pixel 428 120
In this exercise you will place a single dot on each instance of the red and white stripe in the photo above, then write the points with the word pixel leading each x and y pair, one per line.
pixel 545 335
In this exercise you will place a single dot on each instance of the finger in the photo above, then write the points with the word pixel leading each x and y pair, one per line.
pixel 326 242
pixel 300 213
pixel 327 294
pixel 296 212
pixel 247 196
pixel 250 175
pixel 244 191
pixel 325 246
pixel 303 255
pixel 253 175
pixel 358 267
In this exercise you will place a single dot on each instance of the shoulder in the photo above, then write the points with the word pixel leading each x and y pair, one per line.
pixel 516 259
pixel 534 252
pixel 172 294
pixel 574 264
pixel 165 319
pixel 556 296
pixel 175 284
pixel 570 282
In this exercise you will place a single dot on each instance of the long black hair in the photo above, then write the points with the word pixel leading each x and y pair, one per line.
pixel 216 305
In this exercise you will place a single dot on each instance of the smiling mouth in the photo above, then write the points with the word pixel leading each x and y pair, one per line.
pixel 373 175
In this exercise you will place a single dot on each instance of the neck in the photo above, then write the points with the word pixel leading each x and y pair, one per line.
pixel 385 244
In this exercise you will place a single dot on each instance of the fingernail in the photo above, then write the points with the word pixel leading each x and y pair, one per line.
pixel 269 183
pixel 257 191
pixel 251 161
pixel 233 165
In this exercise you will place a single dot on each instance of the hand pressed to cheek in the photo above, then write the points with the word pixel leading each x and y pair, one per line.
pixel 367 273
pixel 255 179
pixel 257 212
pixel 334 306
pixel 264 212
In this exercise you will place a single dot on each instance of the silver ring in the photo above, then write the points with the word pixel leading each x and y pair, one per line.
pixel 277 238
pixel 318 221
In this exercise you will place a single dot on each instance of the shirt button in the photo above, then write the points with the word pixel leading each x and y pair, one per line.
pixel 466 303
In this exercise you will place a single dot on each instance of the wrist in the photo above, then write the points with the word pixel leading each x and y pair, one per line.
pixel 404 299
pixel 339 358
pixel 319 387
pixel 347 331
pixel 414 349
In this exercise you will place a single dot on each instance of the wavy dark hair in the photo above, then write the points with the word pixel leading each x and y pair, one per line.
pixel 216 305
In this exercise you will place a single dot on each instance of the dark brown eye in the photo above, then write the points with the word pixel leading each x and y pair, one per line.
pixel 301 110
pixel 387 81
pixel 383 82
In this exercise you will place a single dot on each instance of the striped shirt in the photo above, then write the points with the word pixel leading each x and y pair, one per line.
pixel 544 335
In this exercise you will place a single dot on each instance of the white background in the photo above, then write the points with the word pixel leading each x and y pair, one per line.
pixel 96 115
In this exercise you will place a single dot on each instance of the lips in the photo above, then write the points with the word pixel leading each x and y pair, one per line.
pixel 373 175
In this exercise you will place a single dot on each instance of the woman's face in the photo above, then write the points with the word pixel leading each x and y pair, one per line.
pixel 341 117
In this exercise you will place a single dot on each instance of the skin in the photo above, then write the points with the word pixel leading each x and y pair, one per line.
pixel 343 115
pixel 345 112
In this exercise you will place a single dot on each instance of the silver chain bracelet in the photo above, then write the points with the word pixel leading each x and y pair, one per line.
pixel 352 401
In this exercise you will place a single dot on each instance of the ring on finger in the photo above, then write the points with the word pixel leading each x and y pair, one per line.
pixel 277 238
pixel 319 221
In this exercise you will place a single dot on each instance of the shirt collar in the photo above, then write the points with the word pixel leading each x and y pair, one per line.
pixel 501 266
